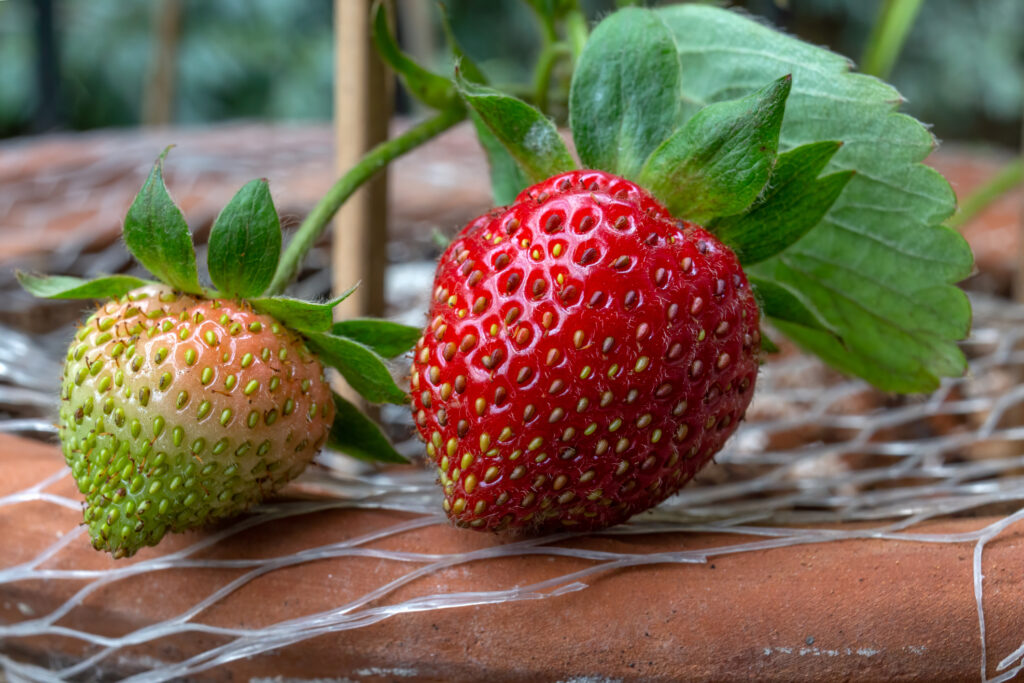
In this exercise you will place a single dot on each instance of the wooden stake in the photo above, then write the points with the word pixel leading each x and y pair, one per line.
pixel 361 114
pixel 158 100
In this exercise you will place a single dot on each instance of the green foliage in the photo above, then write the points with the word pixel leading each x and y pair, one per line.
pixel 301 315
pixel 783 304
pixel 427 87
pixel 358 436
pixel 717 162
pixel 624 100
pixel 363 369
pixel 877 270
pixel 387 338
pixel 245 242
pixel 793 202
pixel 529 137
pixel 507 179
pixel 155 232
pixel 66 287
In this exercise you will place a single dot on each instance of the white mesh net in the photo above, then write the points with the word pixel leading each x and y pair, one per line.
pixel 816 450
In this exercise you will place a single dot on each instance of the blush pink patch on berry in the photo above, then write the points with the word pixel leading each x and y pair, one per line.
pixel 177 411
pixel 587 354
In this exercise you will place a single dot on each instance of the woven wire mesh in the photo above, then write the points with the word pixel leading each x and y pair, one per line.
pixel 816 449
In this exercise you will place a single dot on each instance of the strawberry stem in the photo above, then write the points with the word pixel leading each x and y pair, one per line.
pixel 1002 182
pixel 549 56
pixel 375 160
pixel 895 19
pixel 576 30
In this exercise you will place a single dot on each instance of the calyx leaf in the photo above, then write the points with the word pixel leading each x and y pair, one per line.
pixel 718 162
pixel 424 85
pixel 793 202
pixel 624 98
pixel 67 287
pixel 155 232
pixel 363 369
pixel 385 337
pixel 245 242
pixel 356 435
pixel 528 136
pixel 781 304
pixel 878 269
pixel 304 316
pixel 507 179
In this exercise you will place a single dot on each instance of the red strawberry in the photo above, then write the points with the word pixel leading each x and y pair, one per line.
pixel 587 354
pixel 177 411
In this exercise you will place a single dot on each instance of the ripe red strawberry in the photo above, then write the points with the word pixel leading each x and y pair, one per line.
pixel 587 354
pixel 176 411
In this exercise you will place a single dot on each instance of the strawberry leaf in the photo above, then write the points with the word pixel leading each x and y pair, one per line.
pixel 66 287
pixel 507 179
pixel 427 87
pixel 387 338
pixel 718 162
pixel 245 242
pixel 527 135
pixel 356 435
pixel 624 98
pixel 362 368
pixel 781 304
pixel 304 316
pixel 878 269
pixel 155 232
pixel 792 203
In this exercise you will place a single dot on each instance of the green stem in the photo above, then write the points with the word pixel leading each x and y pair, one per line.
pixel 576 31
pixel 542 74
pixel 375 160
pixel 1008 177
pixel 895 18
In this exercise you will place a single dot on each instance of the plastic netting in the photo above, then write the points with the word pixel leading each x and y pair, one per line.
pixel 815 449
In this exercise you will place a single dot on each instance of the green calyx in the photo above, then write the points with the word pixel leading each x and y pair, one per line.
pixel 244 255
pixel 801 166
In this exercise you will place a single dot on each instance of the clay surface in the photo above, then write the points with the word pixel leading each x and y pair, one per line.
pixel 851 610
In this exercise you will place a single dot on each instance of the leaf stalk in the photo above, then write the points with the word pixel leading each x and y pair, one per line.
pixel 373 162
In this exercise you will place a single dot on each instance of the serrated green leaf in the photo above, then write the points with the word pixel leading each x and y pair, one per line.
pixel 66 287
pixel 470 71
pixel 245 242
pixel 387 338
pixel 717 163
pixel 157 235
pixel 304 316
pixel 424 85
pixel 878 269
pixel 793 202
pixel 362 368
pixel 624 97
pixel 356 435
pixel 781 304
pixel 507 178
pixel 528 136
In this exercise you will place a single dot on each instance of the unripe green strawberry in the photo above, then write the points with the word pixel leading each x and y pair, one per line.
pixel 176 411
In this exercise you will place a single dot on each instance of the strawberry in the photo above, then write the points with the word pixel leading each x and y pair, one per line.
pixel 177 411
pixel 182 404
pixel 586 355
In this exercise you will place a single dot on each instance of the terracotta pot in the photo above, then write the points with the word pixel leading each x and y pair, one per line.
pixel 847 610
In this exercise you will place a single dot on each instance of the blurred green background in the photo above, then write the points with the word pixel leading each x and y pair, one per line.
pixel 83 64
